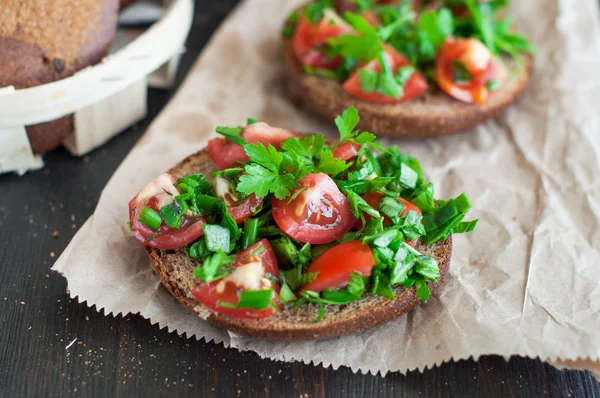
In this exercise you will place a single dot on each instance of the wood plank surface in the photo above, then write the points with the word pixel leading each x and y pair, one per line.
pixel 125 356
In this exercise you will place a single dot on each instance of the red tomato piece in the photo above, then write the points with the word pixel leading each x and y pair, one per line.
pixel 262 261
pixel 477 60
pixel 374 198
pixel 245 210
pixel 308 37
pixel 155 196
pixel 318 213
pixel 265 134
pixel 346 151
pixel 335 266
pixel 413 88
pixel 226 154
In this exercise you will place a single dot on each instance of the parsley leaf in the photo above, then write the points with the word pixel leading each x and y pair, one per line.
pixel 347 122
pixel 363 47
pixel 359 205
pixel 232 134
pixel 443 219
pixel 329 164
pixel 262 181
pixel 433 28
pixel 263 173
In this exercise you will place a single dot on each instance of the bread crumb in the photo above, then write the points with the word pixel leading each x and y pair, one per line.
pixel 52 254
pixel 55 234
pixel 22 303
pixel 47 276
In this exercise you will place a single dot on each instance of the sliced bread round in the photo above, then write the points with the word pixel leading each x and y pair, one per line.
pixel 175 268
pixel 433 114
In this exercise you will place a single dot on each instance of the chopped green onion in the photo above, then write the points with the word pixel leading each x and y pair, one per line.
pixel 408 177
pixel 257 299
pixel 250 232
pixel 466 226
pixel 404 74
pixel 286 295
pixel 217 238
pixel 173 213
pixel 150 218
pixel 309 70
pixel 226 304
pixel 368 80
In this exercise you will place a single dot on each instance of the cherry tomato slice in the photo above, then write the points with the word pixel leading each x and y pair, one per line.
pixel 262 132
pixel 307 38
pixel 374 198
pixel 226 154
pixel 155 196
pixel 477 60
pixel 413 88
pixel 245 210
pixel 335 266
pixel 346 151
pixel 228 290
pixel 318 213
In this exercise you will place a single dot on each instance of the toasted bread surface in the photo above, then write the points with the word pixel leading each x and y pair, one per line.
pixel 175 268
pixel 433 114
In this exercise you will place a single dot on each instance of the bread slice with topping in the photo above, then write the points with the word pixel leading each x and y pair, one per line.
pixel 433 114
pixel 175 268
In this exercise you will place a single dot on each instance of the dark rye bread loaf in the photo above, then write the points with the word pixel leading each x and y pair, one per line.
pixel 45 41
pixel 433 114
pixel 174 268
pixel 126 3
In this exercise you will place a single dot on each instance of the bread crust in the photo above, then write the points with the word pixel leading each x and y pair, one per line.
pixel 434 114
pixel 174 268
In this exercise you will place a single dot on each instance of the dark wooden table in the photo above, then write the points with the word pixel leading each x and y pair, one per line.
pixel 126 356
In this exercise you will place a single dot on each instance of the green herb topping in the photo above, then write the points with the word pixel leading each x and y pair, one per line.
pixel 405 212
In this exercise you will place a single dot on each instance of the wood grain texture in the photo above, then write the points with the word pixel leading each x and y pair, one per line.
pixel 126 356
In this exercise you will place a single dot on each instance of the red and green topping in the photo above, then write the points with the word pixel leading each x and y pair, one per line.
pixel 382 50
pixel 291 218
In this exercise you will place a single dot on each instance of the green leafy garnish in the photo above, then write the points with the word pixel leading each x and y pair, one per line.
pixel 217 238
pixel 214 267
pixel 150 218
pixel 386 175
pixel 265 174
pixel 257 299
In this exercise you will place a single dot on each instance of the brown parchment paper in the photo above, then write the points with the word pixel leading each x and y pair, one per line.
pixel 525 283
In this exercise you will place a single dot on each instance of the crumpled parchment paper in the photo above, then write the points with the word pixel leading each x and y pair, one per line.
pixel 525 283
